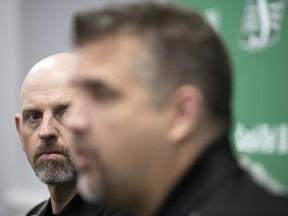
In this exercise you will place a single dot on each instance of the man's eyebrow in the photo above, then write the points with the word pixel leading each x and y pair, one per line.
pixel 94 86
pixel 89 84
pixel 61 107
pixel 27 110
pixel 57 108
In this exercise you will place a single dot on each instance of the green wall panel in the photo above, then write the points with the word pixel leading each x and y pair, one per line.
pixel 256 34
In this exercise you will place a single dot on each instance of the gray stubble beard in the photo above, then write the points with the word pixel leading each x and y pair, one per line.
pixel 55 172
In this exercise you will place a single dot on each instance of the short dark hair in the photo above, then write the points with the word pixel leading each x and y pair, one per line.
pixel 185 48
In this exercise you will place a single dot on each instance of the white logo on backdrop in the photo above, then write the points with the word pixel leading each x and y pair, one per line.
pixel 261 24
pixel 262 139
pixel 261 175
pixel 214 17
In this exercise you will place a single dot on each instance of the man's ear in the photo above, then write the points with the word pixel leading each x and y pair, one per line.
pixel 17 119
pixel 187 108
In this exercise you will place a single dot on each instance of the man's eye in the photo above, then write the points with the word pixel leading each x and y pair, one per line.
pixel 65 114
pixel 104 94
pixel 33 117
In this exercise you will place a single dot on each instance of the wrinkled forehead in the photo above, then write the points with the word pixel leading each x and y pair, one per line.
pixel 48 100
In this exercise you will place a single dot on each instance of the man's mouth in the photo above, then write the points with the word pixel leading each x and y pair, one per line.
pixel 51 154
pixel 83 159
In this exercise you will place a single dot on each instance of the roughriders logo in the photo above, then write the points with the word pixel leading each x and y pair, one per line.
pixel 261 24
pixel 213 17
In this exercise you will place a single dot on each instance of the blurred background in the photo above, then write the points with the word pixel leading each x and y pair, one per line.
pixel 256 33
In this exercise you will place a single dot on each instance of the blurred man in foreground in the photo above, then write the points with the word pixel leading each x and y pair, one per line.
pixel 46 98
pixel 151 128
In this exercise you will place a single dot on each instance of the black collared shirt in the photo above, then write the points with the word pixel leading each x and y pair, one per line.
pixel 217 186
pixel 76 207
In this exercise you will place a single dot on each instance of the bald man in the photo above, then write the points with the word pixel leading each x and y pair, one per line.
pixel 46 98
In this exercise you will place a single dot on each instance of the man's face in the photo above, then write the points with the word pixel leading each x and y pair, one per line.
pixel 119 135
pixel 46 100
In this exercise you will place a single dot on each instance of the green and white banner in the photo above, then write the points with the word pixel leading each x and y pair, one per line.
pixel 256 33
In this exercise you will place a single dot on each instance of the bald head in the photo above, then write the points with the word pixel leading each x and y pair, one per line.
pixel 46 100
pixel 49 72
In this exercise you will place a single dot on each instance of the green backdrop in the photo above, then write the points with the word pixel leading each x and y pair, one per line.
pixel 256 33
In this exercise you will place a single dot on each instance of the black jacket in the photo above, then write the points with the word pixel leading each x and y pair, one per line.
pixel 217 186
pixel 76 207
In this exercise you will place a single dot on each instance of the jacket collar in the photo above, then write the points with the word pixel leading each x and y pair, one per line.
pixel 44 209
pixel 212 169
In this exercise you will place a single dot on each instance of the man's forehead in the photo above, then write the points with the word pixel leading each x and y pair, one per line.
pixel 117 54
pixel 47 79
pixel 109 47
pixel 36 94
pixel 37 101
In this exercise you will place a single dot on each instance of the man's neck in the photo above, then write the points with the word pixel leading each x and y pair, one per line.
pixel 61 195
pixel 176 167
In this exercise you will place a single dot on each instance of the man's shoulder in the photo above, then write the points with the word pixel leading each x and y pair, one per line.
pixel 245 197
pixel 36 209
pixel 98 209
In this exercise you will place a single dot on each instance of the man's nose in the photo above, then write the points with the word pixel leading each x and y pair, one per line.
pixel 48 129
pixel 77 121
